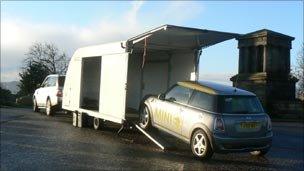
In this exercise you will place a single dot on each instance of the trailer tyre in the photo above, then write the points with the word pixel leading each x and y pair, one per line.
pixel 145 119
pixel 97 123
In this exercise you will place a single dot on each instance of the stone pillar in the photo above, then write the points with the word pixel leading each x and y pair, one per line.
pixel 241 60
pixel 264 58
pixel 264 66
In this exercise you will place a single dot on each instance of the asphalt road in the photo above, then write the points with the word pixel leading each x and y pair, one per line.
pixel 33 141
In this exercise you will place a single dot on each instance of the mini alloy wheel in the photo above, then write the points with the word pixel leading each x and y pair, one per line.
pixel 200 145
pixel 259 152
pixel 144 118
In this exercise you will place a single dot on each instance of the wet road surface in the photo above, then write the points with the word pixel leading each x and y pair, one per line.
pixel 33 141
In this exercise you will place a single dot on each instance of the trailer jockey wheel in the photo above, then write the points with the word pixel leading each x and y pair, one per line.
pixel 97 123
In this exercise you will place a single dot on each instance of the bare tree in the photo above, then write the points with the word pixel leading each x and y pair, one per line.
pixel 299 73
pixel 48 55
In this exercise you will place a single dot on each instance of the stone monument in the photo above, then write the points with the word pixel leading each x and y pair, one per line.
pixel 264 67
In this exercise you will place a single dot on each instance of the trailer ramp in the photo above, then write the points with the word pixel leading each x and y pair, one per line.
pixel 153 134
pixel 154 140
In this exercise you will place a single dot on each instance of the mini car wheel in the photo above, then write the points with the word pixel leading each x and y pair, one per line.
pixel 144 118
pixel 200 145
pixel 97 123
pixel 48 108
pixel 35 107
pixel 259 152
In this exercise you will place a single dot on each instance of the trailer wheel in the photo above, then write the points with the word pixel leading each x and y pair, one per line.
pixel 97 123
pixel 144 118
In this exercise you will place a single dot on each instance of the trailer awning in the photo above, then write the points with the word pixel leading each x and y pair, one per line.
pixel 169 37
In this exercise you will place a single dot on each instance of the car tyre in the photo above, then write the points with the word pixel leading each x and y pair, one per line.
pixel 144 118
pixel 48 108
pixel 97 123
pixel 200 145
pixel 35 106
pixel 259 152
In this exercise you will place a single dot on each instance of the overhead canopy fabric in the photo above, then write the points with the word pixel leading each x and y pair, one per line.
pixel 169 37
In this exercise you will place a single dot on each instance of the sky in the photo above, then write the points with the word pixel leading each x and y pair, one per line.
pixel 73 24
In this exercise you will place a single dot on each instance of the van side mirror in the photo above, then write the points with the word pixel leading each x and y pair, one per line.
pixel 161 96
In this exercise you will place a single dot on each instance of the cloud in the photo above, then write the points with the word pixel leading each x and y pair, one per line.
pixel 8 75
pixel 131 15
pixel 18 34
pixel 181 11
pixel 175 13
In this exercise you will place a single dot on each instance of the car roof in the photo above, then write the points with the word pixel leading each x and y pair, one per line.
pixel 214 88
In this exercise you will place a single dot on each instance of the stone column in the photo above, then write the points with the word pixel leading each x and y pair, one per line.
pixel 241 60
pixel 245 60
pixel 264 58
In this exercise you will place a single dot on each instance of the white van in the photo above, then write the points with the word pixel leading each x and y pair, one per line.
pixel 109 81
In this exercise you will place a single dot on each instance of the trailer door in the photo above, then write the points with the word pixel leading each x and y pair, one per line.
pixel 113 87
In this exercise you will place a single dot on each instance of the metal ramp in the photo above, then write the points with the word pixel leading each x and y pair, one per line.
pixel 154 140
pixel 132 120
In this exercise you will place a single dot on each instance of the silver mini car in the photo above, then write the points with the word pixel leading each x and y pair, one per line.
pixel 210 117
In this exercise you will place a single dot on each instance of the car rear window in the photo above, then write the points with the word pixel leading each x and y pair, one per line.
pixel 241 105
pixel 61 81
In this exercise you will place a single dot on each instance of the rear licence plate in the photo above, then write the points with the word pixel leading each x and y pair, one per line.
pixel 248 125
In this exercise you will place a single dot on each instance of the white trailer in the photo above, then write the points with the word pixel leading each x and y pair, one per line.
pixel 109 81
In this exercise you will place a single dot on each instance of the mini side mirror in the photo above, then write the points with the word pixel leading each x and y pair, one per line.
pixel 161 96
pixel 38 85
pixel 171 99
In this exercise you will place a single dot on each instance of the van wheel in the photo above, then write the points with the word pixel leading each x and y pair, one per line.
pixel 144 118
pixel 35 107
pixel 48 108
pixel 200 145
pixel 259 152
pixel 97 123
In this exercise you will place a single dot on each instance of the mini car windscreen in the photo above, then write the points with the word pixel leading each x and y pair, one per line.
pixel 61 81
pixel 179 94
pixel 241 105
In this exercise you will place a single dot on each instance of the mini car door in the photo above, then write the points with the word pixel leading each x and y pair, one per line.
pixel 196 112
pixel 169 112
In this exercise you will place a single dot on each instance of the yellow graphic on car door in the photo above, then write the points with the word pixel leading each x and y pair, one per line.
pixel 167 115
